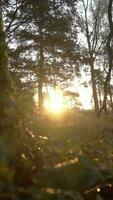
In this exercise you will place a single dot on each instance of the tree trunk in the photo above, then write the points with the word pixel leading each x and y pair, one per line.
pixel 90 49
pixel 111 100
pixel 110 59
pixel 6 83
pixel 95 97
pixel 41 73
pixel 99 95
pixel 8 119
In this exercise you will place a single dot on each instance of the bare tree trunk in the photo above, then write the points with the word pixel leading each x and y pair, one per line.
pixel 90 49
pixel 111 99
pixel 95 97
pixel 110 58
pixel 99 95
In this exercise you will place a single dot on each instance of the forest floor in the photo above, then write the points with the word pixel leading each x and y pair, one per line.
pixel 80 139
pixel 77 132
pixel 65 157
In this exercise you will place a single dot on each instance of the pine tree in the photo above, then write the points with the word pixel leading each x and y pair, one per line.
pixel 48 35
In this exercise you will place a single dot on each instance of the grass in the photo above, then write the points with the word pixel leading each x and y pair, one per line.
pixel 79 132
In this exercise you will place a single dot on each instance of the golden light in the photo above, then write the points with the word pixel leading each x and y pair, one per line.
pixel 55 101
pixel 98 189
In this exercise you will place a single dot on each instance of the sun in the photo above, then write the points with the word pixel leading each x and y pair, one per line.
pixel 55 101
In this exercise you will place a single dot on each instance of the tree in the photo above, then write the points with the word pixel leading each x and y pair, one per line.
pixel 110 59
pixel 7 101
pixel 89 24
pixel 50 39
pixel 8 118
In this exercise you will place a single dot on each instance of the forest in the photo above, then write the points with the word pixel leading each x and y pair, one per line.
pixel 56 100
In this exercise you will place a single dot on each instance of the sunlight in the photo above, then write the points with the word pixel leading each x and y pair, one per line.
pixel 85 97
pixel 55 102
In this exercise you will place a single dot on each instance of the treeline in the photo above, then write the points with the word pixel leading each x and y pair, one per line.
pixel 50 43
